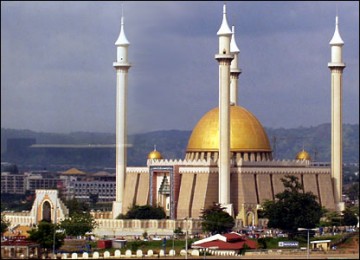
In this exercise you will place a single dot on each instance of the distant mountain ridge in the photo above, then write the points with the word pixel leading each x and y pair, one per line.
pixel 286 143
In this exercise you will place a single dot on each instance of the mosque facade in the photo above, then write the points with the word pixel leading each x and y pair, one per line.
pixel 228 157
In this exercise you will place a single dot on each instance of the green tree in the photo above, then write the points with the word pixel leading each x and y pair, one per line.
pixel 5 224
pixel 94 198
pixel 353 191
pixel 349 217
pixel 75 206
pixel 78 224
pixel 215 220
pixel 330 218
pixel 293 208
pixel 43 234
pixel 144 212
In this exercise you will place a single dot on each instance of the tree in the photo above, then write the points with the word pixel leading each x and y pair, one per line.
pixel 78 224
pixel 216 220
pixel 353 191
pixel 349 218
pixel 144 212
pixel 43 234
pixel 331 218
pixel 94 198
pixel 178 232
pixel 75 207
pixel 5 224
pixel 293 208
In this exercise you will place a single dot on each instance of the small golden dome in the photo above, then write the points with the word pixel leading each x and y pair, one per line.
pixel 303 155
pixel 154 155
pixel 246 132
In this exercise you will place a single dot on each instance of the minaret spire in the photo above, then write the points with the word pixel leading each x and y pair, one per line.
pixel 122 66
pixel 235 71
pixel 224 57
pixel 336 67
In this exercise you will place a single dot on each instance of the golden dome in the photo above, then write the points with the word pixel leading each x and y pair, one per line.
pixel 154 155
pixel 303 155
pixel 246 132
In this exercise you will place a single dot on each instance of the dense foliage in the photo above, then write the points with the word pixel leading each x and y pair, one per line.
pixel 43 234
pixel 293 208
pixel 353 191
pixel 216 220
pixel 16 202
pixel 144 212
pixel 78 224
pixel 350 216
pixel 75 207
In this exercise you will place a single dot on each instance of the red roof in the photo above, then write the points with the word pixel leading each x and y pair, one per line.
pixel 232 241
pixel 233 236
pixel 221 245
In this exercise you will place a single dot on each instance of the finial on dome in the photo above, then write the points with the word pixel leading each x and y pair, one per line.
pixel 155 154
pixel 336 39
pixel 233 46
pixel 122 40
pixel 303 156
pixel 224 28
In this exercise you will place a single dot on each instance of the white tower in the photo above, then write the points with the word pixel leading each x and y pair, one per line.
pixel 336 67
pixel 235 71
pixel 122 66
pixel 224 57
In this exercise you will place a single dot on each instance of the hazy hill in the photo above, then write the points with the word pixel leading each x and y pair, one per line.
pixel 172 144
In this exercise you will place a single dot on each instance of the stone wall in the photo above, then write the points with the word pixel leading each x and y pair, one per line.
pixel 136 227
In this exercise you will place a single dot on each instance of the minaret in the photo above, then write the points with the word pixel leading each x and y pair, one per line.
pixel 336 67
pixel 224 57
pixel 122 66
pixel 235 71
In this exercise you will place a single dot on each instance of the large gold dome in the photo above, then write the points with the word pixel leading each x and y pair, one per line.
pixel 246 133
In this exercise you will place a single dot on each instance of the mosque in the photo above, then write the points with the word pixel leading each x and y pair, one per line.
pixel 228 157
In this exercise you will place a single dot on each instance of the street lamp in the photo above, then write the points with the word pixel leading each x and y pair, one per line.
pixel 308 231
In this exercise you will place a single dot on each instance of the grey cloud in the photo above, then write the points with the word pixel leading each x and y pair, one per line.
pixel 57 72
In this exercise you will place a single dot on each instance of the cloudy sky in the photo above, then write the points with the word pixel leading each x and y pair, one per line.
pixel 57 73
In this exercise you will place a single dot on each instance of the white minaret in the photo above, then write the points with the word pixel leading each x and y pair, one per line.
pixel 224 57
pixel 122 66
pixel 336 67
pixel 235 71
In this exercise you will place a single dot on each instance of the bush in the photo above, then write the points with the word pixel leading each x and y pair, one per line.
pixel 144 212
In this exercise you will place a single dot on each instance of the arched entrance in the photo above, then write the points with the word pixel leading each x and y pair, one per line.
pixel 46 211
pixel 250 218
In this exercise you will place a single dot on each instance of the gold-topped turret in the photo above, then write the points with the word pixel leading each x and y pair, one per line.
pixel 155 154
pixel 303 156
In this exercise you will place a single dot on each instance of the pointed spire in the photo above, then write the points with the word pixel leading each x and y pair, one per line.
pixel 233 46
pixel 122 40
pixel 154 147
pixel 224 28
pixel 336 39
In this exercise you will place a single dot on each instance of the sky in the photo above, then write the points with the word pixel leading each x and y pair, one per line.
pixel 57 71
